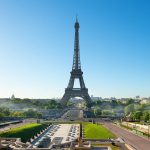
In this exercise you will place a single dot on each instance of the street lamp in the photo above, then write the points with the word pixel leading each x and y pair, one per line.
pixel 148 130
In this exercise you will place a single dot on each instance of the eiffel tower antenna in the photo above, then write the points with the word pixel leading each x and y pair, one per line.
pixel 76 18
pixel 76 73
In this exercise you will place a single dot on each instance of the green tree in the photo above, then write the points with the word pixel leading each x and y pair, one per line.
pixel 2 114
pixel 114 103
pixel 107 112
pixel 137 115
pixel 17 114
pixel 130 101
pixel 17 100
pixel 5 111
pixel 39 115
pixel 146 116
pixel 30 113
pixel 97 112
pixel 96 103
pixel 52 104
pixel 129 109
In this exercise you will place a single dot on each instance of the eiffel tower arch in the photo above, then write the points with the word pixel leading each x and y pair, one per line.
pixel 76 73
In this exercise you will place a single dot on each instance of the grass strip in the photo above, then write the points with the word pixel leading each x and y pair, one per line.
pixel 97 131
pixel 25 132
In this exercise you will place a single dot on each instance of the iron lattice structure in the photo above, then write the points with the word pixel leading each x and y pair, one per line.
pixel 76 73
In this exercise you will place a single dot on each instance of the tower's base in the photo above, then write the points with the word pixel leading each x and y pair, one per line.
pixel 76 92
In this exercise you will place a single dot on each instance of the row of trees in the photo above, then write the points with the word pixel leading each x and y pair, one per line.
pixel 99 113
pixel 138 112
pixel 5 112
pixel 129 108
pixel 51 104
pixel 114 103
pixel 141 116
pixel 136 107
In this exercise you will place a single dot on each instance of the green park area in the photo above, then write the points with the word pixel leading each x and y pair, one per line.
pixel 24 132
pixel 96 131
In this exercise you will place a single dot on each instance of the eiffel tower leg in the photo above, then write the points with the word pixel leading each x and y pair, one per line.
pixel 82 85
pixel 71 82
pixel 88 100
pixel 65 99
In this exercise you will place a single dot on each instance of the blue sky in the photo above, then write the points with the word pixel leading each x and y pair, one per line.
pixel 37 39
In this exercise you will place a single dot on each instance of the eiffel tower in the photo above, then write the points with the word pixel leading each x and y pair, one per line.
pixel 76 73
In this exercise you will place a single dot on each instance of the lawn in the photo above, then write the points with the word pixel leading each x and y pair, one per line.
pixel 96 131
pixel 24 132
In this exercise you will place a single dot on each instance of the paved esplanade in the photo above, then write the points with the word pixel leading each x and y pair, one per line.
pixel 136 141
pixel 59 134
pixel 76 73
pixel 73 114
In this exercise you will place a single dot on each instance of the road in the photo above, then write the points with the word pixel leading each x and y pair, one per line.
pixel 73 114
pixel 135 141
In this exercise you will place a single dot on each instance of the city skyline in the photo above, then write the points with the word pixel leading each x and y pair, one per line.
pixel 114 47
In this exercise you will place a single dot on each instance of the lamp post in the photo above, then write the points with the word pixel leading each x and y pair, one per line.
pixel 148 130
pixel 136 128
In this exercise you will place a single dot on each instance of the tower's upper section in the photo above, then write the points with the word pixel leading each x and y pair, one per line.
pixel 76 56
pixel 76 25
